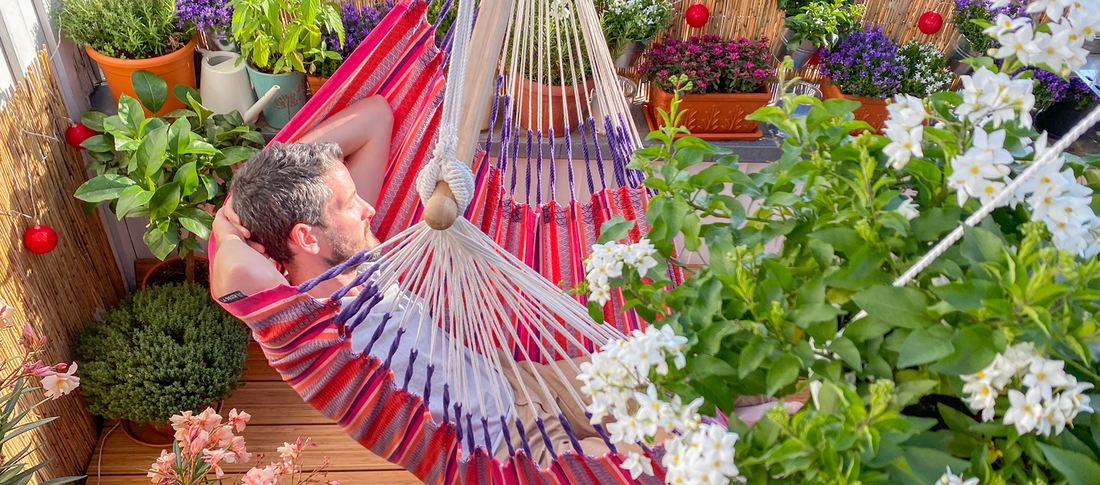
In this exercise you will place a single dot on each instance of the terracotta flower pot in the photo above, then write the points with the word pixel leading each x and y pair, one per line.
pixel 558 105
pixel 155 435
pixel 712 116
pixel 315 83
pixel 172 270
pixel 871 110
pixel 175 68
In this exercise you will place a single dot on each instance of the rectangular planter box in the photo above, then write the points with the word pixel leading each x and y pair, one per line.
pixel 712 116
pixel 873 111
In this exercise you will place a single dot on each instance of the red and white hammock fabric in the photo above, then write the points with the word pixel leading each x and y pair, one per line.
pixel 308 342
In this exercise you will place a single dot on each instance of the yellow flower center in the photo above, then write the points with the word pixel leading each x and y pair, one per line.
pixel 1046 180
pixel 908 146
pixel 1019 46
pixel 981 375
pixel 1046 199
pixel 989 189
pixel 974 170
pixel 985 390
pixel 1027 408
pixel 1069 210
pixel 1040 376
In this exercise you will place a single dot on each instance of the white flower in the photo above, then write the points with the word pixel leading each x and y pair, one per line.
pixel 1053 51
pixel 1073 399
pixel 1054 419
pixel 1053 8
pixel 986 190
pixel 600 294
pixel 907 111
pixel 1086 21
pixel 992 145
pixel 1045 375
pixel 1020 356
pixel 1025 410
pixel 904 144
pixel 940 280
pixel 952 479
pixel 1004 23
pixel 908 209
pixel 1018 42
pixel 637 465
pixel 60 383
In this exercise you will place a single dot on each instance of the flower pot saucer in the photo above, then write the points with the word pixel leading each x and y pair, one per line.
pixel 755 134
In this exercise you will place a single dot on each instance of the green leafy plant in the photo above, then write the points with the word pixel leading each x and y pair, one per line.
pixel 824 23
pixel 796 290
pixel 126 29
pixel 172 170
pixel 625 21
pixel 284 36
pixel 564 58
pixel 926 69
pixel 165 349
pixel 792 7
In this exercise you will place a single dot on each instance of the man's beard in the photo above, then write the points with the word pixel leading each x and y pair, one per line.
pixel 345 245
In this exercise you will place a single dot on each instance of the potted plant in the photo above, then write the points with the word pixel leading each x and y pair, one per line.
pixel 728 82
pixel 282 41
pixel 171 170
pixel 629 25
pixel 791 8
pixel 976 370
pixel 124 36
pixel 211 19
pixel 926 69
pixel 164 350
pixel 1060 103
pixel 358 22
pixel 819 24
pixel 866 68
pixel 971 17
pixel 551 85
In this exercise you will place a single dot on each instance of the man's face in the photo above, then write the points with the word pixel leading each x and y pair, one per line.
pixel 347 219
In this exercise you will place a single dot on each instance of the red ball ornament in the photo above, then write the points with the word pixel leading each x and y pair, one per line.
pixel 77 133
pixel 697 15
pixel 40 239
pixel 930 23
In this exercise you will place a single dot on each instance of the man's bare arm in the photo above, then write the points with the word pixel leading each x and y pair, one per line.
pixel 363 131
pixel 238 266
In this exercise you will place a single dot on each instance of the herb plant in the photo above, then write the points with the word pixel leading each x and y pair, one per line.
pixel 165 349
pixel 926 69
pixel 824 23
pixel 865 64
pixel 284 36
pixel 711 64
pixel 625 21
pixel 125 29
pixel 169 170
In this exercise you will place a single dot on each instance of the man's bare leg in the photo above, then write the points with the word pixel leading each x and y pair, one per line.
pixel 363 130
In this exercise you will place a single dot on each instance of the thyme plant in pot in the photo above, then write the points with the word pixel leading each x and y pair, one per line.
pixel 866 68
pixel 164 350
pixel 980 368
pixel 124 36
pixel 629 25
pixel 819 24
pixel 728 79
pixel 171 170
pixel 282 41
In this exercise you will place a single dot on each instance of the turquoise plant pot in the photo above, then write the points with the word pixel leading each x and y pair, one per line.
pixel 286 103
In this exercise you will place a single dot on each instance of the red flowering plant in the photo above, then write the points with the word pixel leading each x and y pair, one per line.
pixel 711 63
pixel 204 443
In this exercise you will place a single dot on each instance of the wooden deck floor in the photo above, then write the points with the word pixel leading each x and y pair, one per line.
pixel 278 415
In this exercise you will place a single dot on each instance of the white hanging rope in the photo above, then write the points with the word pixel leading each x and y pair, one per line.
pixel 1052 155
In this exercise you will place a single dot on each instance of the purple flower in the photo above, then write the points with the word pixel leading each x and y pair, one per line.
pixel 865 64
pixel 205 14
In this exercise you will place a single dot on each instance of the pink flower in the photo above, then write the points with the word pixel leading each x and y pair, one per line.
pixel 39 369
pixel 208 419
pixel 163 469
pixel 222 436
pixel 240 453
pixel 749 65
pixel 213 457
pixel 333 482
pixel 260 476
pixel 288 451
pixel 60 384
pixel 238 420
pixel 198 440
pixel 6 313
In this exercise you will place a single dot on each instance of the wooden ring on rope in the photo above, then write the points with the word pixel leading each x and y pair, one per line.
pixel 441 210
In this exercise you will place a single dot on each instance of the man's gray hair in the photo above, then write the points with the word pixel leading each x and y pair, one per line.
pixel 281 186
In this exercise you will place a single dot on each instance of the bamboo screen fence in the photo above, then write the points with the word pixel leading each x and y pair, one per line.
pixel 59 291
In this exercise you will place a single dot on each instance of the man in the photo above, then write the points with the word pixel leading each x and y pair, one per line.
pixel 300 205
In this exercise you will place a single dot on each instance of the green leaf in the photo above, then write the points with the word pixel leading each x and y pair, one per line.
pixel 193 102
pixel 132 197
pixel 928 464
pixel 102 188
pixel 161 242
pixel 903 307
pixel 98 143
pixel 165 201
pixel 150 153
pixel 925 345
pixel 867 328
pixel 847 351
pixel 179 135
pixel 197 146
pixel 197 221
pixel 1077 468
pixel 753 355
pixel 614 229
pixel 233 155
pixel 975 347
pixel 595 311
pixel 93 120
pixel 982 246
pixel 130 113
pixel 151 90
pixel 188 178
pixel 706 366
pixel 935 222
pixel 182 91
pixel 782 373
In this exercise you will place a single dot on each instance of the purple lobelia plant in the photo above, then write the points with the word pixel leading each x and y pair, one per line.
pixel 207 15
pixel 865 64
pixel 711 63
pixel 358 23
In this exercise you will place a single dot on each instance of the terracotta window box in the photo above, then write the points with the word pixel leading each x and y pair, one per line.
pixel 871 110
pixel 712 116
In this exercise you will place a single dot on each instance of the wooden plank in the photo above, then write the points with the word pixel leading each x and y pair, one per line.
pixel 345 478
pixel 485 43
pixel 123 456
pixel 273 403
pixel 258 368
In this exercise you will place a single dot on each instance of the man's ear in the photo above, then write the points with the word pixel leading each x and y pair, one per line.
pixel 303 238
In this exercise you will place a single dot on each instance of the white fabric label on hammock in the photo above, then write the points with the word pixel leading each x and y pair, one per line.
pixel 477 367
